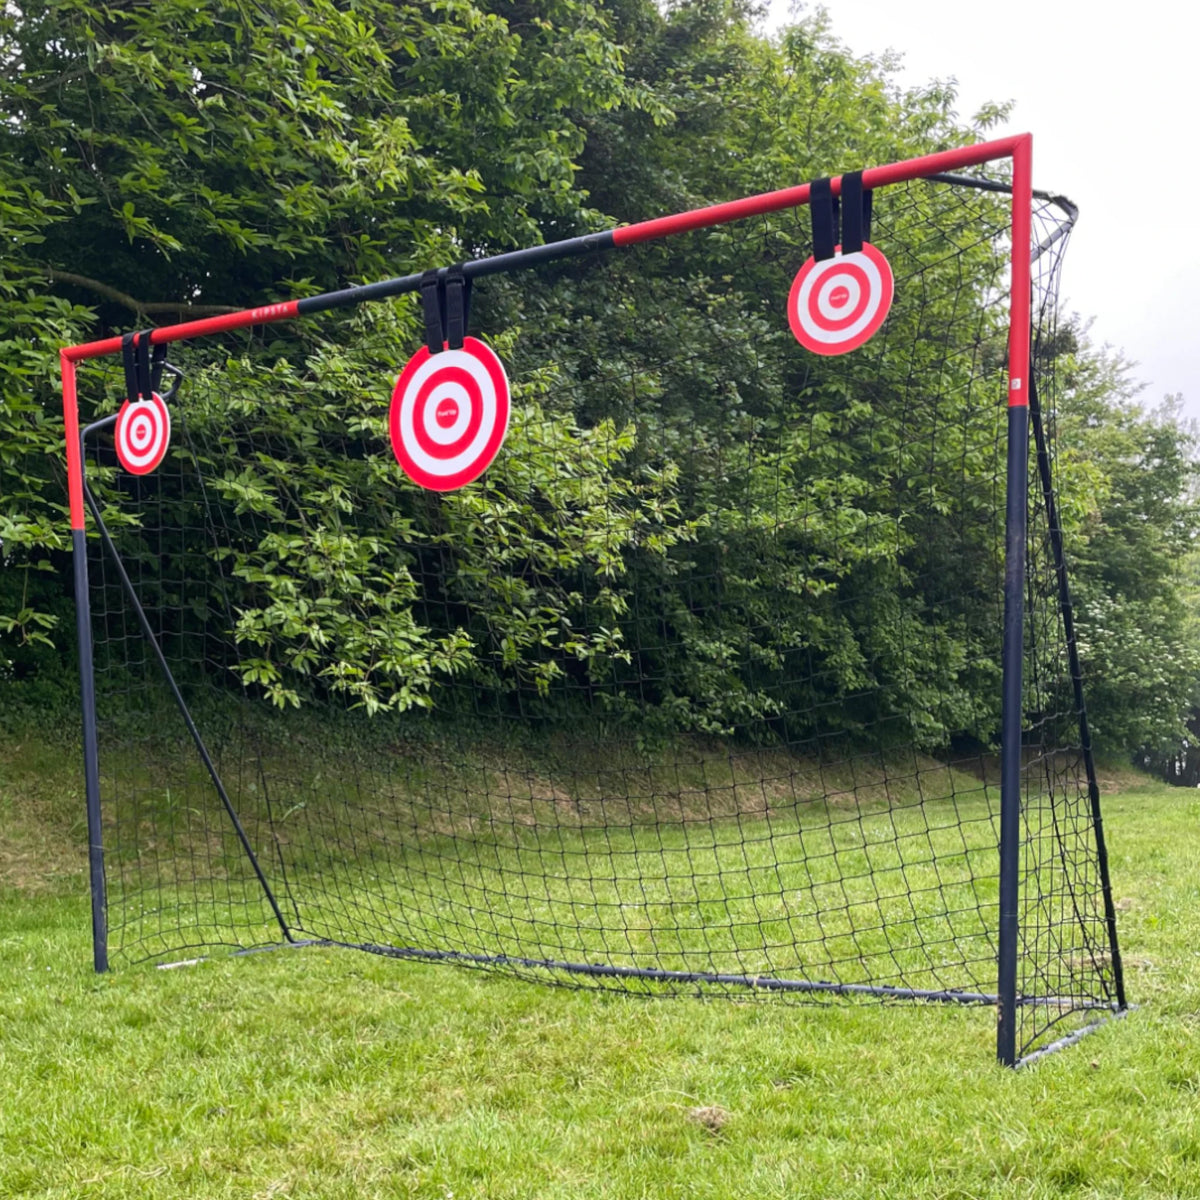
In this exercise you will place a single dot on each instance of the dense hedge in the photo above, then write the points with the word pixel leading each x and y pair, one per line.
pixel 158 160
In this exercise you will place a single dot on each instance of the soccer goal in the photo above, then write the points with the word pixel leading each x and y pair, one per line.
pixel 678 609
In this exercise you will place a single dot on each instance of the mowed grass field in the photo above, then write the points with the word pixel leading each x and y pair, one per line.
pixel 325 1073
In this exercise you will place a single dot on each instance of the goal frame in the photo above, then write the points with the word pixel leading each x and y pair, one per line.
pixel 1018 149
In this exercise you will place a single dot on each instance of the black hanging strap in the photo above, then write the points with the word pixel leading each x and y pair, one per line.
pixel 446 297
pixel 143 368
pixel 854 216
pixel 431 299
pixel 820 203
pixel 129 361
pixel 458 304
pixel 141 344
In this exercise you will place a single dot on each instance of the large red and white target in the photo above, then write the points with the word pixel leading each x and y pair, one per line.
pixel 143 433
pixel 837 304
pixel 449 415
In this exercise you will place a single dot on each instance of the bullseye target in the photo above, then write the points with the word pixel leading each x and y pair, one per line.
pixel 449 415
pixel 837 304
pixel 143 432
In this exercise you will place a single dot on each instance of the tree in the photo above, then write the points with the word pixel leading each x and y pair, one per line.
pixel 1131 514
pixel 165 159
pixel 170 158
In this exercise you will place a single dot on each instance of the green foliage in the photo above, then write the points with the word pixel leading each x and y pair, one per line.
pixel 335 549
pixel 33 324
pixel 848 592
pixel 172 159
pixel 165 160
pixel 1131 513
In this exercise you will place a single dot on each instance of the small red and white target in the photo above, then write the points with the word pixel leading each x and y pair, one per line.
pixel 837 304
pixel 449 415
pixel 143 432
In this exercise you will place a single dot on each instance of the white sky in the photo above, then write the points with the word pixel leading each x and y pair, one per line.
pixel 1110 93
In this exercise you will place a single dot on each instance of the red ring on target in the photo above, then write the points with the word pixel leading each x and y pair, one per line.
pixel 839 303
pixel 459 406
pixel 143 433
pixel 449 415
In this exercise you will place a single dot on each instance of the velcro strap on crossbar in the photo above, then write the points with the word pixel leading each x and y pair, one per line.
pixel 129 362
pixel 141 346
pixel 824 232
pixel 854 213
pixel 458 299
pixel 431 301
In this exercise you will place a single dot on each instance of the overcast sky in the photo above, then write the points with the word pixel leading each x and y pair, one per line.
pixel 1110 93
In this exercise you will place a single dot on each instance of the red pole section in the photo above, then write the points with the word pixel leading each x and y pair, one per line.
pixel 752 206
pixel 71 425
pixel 1022 295
pixel 265 315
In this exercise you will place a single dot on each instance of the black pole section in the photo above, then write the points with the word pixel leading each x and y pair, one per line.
pixel 1085 733
pixel 180 703
pixel 91 751
pixel 533 256
pixel 512 261
pixel 1068 208
pixel 992 185
pixel 1010 728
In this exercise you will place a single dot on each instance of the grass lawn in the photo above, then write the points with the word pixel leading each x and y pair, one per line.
pixel 322 1073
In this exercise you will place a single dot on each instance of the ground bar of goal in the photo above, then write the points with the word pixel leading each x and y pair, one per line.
pixel 1114 1014
pixel 767 983
pixel 242 953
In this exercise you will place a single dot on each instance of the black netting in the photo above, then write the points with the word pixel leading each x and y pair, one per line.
pixel 698 687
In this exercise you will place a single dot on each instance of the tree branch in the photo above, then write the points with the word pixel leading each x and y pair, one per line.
pixel 145 308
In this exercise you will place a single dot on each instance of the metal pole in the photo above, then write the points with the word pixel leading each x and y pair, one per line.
pixel 180 703
pixel 1010 736
pixel 1016 516
pixel 1085 734
pixel 87 680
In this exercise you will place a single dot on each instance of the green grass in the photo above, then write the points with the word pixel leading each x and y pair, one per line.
pixel 320 1073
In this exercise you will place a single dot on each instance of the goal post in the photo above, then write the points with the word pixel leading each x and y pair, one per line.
pixel 733 654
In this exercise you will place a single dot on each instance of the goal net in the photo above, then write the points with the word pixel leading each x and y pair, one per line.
pixel 697 688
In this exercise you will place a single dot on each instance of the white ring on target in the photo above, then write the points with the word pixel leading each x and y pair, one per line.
pixel 828 275
pixel 461 397
pixel 829 308
pixel 431 366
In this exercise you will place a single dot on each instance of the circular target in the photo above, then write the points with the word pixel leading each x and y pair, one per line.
pixel 837 304
pixel 449 415
pixel 143 432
